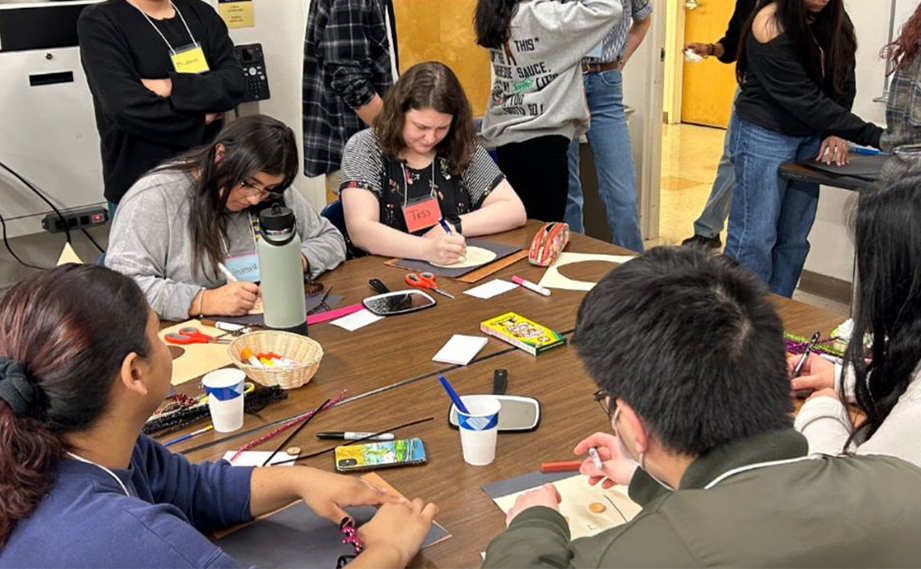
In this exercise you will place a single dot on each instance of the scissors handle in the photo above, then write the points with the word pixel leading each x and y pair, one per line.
pixel 417 280
pixel 181 340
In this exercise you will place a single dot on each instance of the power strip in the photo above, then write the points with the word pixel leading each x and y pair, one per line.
pixel 76 219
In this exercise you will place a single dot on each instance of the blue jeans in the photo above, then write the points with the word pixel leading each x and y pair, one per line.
pixel 770 218
pixel 710 222
pixel 610 143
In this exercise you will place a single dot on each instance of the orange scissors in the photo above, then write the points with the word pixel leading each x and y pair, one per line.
pixel 425 280
pixel 192 335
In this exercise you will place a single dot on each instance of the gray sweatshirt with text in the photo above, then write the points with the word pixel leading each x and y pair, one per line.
pixel 150 241
pixel 537 89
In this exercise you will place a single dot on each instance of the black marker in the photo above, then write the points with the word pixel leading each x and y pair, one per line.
pixel 351 436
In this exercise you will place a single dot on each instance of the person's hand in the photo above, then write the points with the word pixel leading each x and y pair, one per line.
pixel 400 526
pixel 833 149
pixel 232 299
pixel 327 494
pixel 816 374
pixel 547 495
pixel 824 393
pixel 701 49
pixel 162 87
pixel 211 117
pixel 617 468
pixel 443 248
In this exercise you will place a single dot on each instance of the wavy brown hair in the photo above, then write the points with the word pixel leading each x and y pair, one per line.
pixel 430 85
pixel 70 328
pixel 902 51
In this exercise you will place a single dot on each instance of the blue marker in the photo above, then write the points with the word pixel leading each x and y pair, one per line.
pixel 453 395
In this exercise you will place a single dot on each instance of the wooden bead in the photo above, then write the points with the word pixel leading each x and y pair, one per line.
pixel 596 507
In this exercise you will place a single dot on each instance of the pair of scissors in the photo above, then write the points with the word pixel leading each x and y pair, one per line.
pixel 425 280
pixel 192 335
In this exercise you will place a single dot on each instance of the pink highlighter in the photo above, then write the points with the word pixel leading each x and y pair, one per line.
pixel 530 286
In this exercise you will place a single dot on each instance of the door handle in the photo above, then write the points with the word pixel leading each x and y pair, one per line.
pixel 692 5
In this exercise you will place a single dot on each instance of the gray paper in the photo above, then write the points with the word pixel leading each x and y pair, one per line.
pixel 499 249
pixel 297 537
pixel 524 482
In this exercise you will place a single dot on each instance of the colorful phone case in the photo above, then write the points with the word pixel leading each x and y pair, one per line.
pixel 388 454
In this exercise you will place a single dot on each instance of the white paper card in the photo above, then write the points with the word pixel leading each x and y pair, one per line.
pixel 491 289
pixel 257 457
pixel 460 349
pixel 357 320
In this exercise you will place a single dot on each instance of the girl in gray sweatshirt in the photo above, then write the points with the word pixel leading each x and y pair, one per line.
pixel 537 104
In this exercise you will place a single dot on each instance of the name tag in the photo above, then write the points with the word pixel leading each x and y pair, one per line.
pixel 244 268
pixel 422 214
pixel 190 59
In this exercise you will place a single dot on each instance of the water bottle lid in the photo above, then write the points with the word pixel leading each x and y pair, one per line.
pixel 276 218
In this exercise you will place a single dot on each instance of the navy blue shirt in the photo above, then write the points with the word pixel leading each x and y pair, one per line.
pixel 86 520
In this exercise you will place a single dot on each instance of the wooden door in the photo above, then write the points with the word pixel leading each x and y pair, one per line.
pixel 708 86
pixel 442 30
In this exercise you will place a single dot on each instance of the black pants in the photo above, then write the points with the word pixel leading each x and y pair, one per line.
pixel 538 169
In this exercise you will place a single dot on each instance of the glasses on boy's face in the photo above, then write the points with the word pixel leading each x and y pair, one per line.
pixel 603 399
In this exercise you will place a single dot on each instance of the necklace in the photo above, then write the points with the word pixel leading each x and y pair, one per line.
pixel 107 471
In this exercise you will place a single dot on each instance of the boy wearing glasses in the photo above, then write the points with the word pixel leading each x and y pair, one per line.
pixel 689 354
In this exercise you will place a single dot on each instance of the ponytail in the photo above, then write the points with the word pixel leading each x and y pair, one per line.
pixel 64 334
pixel 492 20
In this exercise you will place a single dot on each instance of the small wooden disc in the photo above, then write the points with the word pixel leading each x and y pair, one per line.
pixel 596 507
pixel 295 451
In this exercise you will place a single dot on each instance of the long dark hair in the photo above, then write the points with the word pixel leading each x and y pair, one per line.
pixel 69 328
pixel 491 21
pixel 902 51
pixel 252 144
pixel 888 241
pixel 430 85
pixel 831 29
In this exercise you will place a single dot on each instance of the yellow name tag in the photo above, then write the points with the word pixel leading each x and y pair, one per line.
pixel 191 60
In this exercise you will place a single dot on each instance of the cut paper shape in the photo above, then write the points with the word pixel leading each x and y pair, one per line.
pixel 258 458
pixel 553 279
pixel 475 257
pixel 68 255
pixel 357 320
pixel 579 497
pixel 198 359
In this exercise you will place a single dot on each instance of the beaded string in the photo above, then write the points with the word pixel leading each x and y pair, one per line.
pixel 285 426
pixel 797 345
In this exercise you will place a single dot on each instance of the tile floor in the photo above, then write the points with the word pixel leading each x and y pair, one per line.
pixel 690 155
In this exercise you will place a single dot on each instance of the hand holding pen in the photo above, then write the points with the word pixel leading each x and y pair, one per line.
pixel 443 246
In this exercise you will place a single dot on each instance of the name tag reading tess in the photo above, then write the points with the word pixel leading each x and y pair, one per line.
pixel 190 59
pixel 421 214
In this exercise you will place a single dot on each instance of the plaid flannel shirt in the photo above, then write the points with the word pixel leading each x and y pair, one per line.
pixel 346 62
pixel 903 110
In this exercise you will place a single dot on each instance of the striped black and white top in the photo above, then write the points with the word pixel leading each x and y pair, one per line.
pixel 394 184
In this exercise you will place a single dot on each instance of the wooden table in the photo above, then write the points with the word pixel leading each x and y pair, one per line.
pixel 391 361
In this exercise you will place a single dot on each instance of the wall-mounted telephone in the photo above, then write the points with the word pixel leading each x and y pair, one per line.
pixel 252 60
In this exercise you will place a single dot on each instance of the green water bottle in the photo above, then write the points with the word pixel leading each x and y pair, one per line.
pixel 281 271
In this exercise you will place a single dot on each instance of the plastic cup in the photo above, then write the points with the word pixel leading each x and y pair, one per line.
pixel 225 398
pixel 479 429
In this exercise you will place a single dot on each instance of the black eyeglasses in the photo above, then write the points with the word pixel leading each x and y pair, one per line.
pixel 604 399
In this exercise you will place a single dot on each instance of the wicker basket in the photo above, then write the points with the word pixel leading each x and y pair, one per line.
pixel 306 351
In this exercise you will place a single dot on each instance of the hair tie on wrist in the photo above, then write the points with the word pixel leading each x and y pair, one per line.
pixel 23 396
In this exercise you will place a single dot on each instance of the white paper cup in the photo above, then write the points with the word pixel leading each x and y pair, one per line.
pixel 225 398
pixel 478 430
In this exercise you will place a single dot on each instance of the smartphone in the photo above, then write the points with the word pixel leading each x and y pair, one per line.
pixel 387 454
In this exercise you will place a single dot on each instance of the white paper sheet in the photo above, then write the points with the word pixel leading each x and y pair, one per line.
pixel 491 289
pixel 460 349
pixel 357 320
pixel 257 457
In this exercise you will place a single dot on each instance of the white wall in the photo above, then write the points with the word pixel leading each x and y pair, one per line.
pixel 832 249
pixel 280 26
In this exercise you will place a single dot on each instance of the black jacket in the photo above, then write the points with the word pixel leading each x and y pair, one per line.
pixel 779 94
pixel 138 128
pixel 730 40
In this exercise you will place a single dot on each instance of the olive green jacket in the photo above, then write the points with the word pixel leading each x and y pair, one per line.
pixel 799 512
